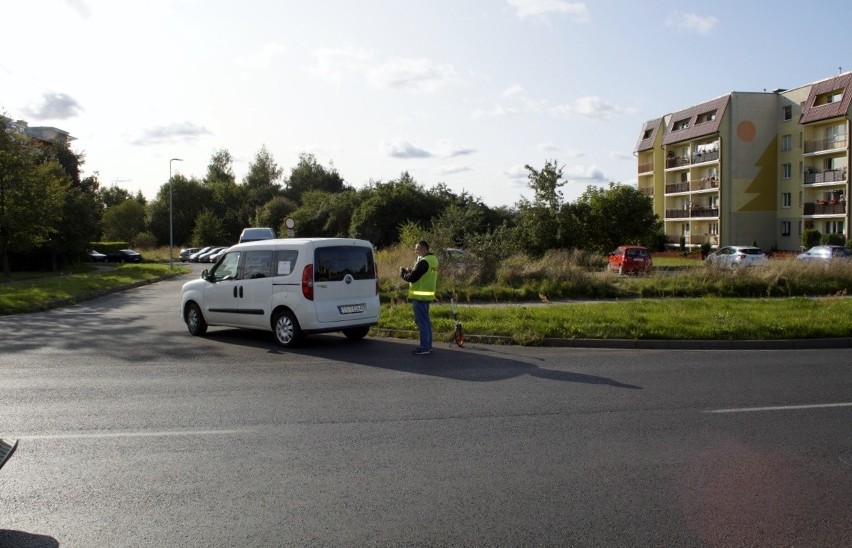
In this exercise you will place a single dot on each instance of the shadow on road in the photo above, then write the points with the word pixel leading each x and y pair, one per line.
pixel 20 539
pixel 475 364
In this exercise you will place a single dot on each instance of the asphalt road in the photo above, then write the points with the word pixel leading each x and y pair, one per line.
pixel 134 433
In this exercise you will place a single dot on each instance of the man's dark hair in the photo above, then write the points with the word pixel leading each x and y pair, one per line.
pixel 424 244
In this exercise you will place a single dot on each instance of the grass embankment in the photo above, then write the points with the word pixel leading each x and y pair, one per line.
pixel 25 292
pixel 522 299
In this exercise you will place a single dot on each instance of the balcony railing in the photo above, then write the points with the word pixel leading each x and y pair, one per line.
pixel 708 156
pixel 646 167
pixel 677 187
pixel 827 176
pixel 677 161
pixel 705 183
pixel 647 190
pixel 825 207
pixel 825 144
pixel 692 213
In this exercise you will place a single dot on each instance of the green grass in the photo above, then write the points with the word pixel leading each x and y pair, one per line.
pixel 25 292
pixel 708 318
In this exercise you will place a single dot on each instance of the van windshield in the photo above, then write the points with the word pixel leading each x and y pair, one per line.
pixel 334 263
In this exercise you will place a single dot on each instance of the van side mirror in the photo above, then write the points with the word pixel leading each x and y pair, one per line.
pixel 204 274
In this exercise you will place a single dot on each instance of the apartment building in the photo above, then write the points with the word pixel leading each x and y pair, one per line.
pixel 751 167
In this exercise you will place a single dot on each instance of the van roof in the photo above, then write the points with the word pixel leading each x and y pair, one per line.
pixel 304 241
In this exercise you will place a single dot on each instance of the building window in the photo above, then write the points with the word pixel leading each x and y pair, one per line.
pixel 788 170
pixel 706 117
pixel 785 228
pixel 680 124
pixel 714 229
pixel 647 134
pixel 831 97
pixel 786 199
pixel 786 142
pixel 834 227
pixel 787 113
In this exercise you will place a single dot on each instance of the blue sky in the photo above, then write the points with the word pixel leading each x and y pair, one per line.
pixel 460 92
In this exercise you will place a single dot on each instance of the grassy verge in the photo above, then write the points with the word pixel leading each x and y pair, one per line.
pixel 27 293
pixel 674 319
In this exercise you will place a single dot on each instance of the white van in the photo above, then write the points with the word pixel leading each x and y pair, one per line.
pixel 253 234
pixel 290 286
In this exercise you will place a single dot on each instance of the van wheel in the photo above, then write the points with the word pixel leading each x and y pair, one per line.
pixel 356 333
pixel 195 320
pixel 286 329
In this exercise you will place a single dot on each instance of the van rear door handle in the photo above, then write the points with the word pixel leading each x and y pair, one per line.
pixel 241 292
pixel 235 292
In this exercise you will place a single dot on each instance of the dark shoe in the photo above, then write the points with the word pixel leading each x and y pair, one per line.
pixel 422 351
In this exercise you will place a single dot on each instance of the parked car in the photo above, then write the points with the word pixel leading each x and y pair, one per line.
pixel 193 257
pixel 205 257
pixel 212 258
pixel 630 259
pixel 186 252
pixel 96 257
pixel 825 253
pixel 124 256
pixel 289 287
pixel 735 256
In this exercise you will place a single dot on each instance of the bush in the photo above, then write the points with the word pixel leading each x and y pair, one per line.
pixel 145 240
pixel 810 238
pixel 833 239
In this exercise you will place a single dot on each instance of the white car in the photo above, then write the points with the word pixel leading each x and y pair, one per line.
pixel 735 256
pixel 825 253
pixel 290 287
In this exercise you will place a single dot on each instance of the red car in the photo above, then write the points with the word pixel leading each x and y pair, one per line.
pixel 630 259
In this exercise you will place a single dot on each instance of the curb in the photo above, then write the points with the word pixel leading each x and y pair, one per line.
pixel 644 344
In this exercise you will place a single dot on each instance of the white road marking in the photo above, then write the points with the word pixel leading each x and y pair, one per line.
pixel 780 408
pixel 95 435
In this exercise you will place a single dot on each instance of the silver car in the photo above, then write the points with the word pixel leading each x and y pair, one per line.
pixel 825 253
pixel 735 256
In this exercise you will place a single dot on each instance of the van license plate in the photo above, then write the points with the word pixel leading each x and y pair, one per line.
pixel 352 308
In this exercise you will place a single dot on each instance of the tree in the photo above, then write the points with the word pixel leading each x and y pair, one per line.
pixel 618 215
pixel 274 212
pixel 227 199
pixel 209 230
pixel 221 168
pixel 325 213
pixel 113 195
pixel 388 205
pixel 538 226
pixel 189 198
pixel 309 175
pixel 261 183
pixel 31 196
pixel 124 221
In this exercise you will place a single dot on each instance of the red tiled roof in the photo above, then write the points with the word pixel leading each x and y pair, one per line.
pixel 694 130
pixel 815 113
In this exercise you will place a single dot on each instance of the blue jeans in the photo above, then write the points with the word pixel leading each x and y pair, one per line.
pixel 424 323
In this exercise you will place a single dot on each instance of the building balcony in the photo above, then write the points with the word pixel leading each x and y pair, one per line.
pixel 705 183
pixel 647 190
pixel 646 167
pixel 692 213
pixel 677 161
pixel 677 187
pixel 827 176
pixel 709 156
pixel 824 207
pixel 819 145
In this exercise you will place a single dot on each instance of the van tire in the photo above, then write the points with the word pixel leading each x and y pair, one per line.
pixel 286 329
pixel 356 333
pixel 195 320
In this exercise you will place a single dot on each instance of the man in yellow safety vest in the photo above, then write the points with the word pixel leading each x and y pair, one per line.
pixel 423 280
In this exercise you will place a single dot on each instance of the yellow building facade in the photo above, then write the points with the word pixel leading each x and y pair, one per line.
pixel 751 168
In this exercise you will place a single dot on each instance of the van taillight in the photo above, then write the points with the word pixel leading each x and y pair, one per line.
pixel 308 282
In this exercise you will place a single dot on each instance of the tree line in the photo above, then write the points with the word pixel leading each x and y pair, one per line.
pixel 49 215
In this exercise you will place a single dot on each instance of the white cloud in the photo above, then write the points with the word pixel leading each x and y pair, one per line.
pixel 403 149
pixel 690 22
pixel 80 7
pixel 335 64
pixel 452 169
pixel 581 174
pixel 448 149
pixel 54 106
pixel 546 146
pixel 588 107
pixel 418 75
pixel 517 174
pixel 538 8
pixel 513 90
pixel 497 111
pixel 185 131
pixel 265 57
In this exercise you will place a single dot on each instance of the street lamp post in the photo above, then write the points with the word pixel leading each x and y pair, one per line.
pixel 171 232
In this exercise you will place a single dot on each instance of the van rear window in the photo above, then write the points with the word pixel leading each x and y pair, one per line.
pixel 332 264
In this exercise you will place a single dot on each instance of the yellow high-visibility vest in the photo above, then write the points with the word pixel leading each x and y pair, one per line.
pixel 424 288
